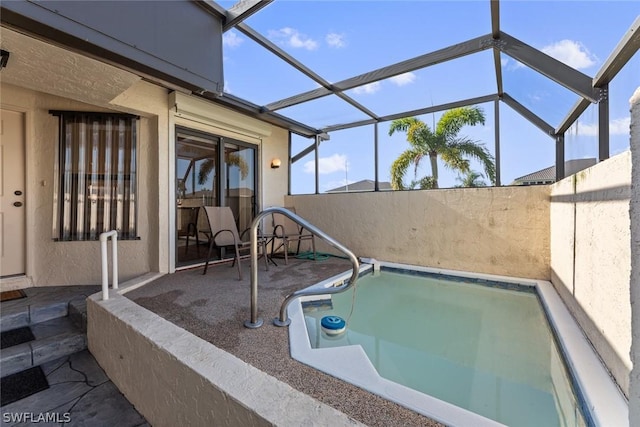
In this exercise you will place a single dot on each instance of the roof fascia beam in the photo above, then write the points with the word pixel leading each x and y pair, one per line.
pixel 242 10
pixel 411 113
pixel 527 114
pixel 550 67
pixel 455 51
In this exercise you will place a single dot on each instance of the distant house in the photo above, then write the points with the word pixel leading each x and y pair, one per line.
pixel 548 175
pixel 364 185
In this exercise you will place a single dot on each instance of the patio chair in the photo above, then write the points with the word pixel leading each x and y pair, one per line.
pixel 189 225
pixel 288 232
pixel 223 233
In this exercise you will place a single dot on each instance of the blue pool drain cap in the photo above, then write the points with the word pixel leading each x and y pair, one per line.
pixel 333 325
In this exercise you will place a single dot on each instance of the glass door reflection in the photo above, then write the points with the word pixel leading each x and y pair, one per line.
pixel 240 183
pixel 196 177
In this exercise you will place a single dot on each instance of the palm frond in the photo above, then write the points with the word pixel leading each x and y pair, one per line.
pixel 402 125
pixel 477 151
pixel 455 119
pixel 234 159
pixel 471 179
pixel 205 169
pixel 399 168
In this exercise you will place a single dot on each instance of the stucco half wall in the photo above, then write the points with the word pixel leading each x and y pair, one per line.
pixel 177 379
pixel 590 257
pixel 502 230
pixel 634 393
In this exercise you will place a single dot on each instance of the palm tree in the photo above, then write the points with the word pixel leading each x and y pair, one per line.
pixel 444 142
pixel 232 159
pixel 471 179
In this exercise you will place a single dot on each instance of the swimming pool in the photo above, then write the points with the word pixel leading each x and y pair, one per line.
pixel 464 351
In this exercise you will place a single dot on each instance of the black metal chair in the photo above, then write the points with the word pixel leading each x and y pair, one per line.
pixel 288 232
pixel 189 225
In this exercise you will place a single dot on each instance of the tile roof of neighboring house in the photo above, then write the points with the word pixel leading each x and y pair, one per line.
pixel 364 185
pixel 548 175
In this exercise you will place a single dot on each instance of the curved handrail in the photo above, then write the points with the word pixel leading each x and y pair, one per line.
pixel 255 322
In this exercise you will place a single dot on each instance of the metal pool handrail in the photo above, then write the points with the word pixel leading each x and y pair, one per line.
pixel 283 320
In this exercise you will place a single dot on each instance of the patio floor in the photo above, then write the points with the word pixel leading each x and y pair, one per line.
pixel 214 307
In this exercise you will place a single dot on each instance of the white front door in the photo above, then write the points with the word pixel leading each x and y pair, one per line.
pixel 12 183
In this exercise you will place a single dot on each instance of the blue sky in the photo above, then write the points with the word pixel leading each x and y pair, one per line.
pixel 342 39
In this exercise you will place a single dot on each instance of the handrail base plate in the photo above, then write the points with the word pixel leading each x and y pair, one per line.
pixel 249 324
pixel 278 322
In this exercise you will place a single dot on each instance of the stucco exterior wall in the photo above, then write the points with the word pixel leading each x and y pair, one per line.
pixel 634 392
pixel 174 378
pixel 590 257
pixel 67 263
pixel 150 101
pixel 502 230
pixel 274 181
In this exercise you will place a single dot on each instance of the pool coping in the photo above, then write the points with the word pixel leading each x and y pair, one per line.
pixel 601 396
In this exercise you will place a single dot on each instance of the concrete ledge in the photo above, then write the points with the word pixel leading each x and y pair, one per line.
pixel 175 378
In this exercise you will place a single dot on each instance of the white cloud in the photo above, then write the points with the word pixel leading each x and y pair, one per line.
pixel 326 165
pixel 293 38
pixel 620 126
pixel 367 89
pixel 616 127
pixel 586 129
pixel 572 53
pixel 538 96
pixel 232 39
pixel 403 79
pixel 335 40
pixel 511 64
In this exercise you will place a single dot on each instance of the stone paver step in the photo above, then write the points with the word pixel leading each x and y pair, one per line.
pixel 54 338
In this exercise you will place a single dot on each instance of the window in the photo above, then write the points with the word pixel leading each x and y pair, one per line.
pixel 95 187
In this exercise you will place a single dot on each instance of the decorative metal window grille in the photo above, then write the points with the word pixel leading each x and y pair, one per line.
pixel 95 188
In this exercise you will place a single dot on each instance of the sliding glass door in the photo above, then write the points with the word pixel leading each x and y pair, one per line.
pixel 240 183
pixel 210 171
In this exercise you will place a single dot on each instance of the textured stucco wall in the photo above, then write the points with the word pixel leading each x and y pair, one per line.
pixel 590 259
pixel 634 392
pixel 274 181
pixel 69 263
pixel 501 230
pixel 177 379
pixel 150 101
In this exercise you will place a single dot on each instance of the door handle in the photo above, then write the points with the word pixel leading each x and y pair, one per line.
pixel 17 204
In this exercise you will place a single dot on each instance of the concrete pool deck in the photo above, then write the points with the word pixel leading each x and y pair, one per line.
pixel 214 307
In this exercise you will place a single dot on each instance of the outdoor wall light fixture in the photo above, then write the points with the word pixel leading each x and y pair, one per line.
pixel 4 58
pixel 275 163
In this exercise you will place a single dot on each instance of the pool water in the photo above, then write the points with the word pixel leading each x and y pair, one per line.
pixel 483 348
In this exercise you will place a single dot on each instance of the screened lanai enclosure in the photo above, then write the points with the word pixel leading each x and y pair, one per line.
pixel 553 90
